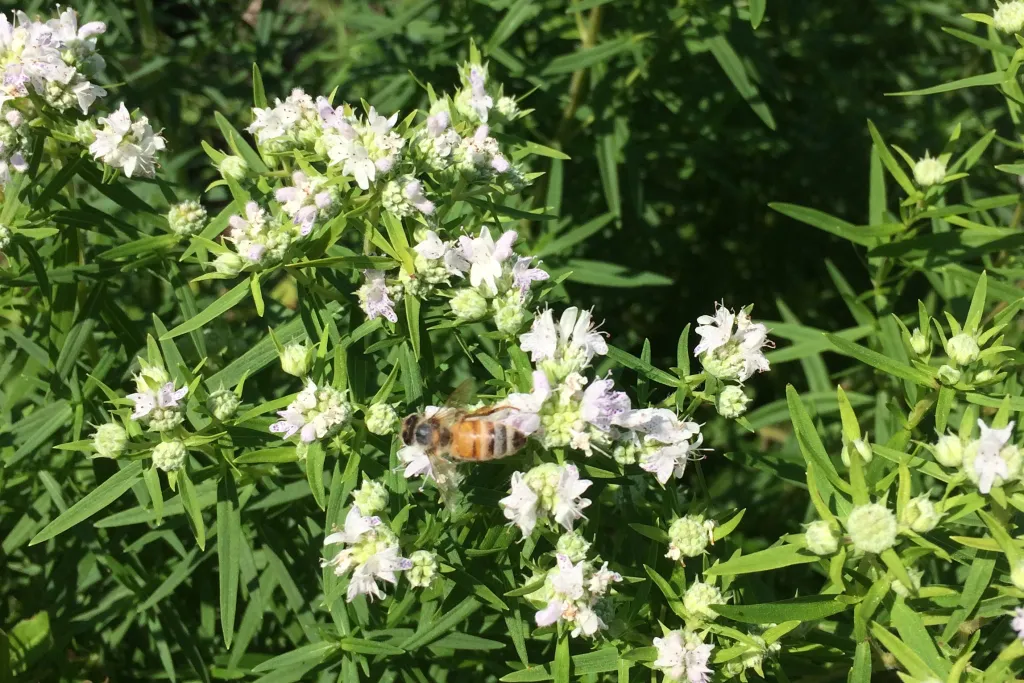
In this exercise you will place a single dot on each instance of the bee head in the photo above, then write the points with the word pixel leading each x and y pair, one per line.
pixel 409 429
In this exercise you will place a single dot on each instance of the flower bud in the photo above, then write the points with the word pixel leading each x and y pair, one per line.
pixel 698 599
pixel 962 349
pixel 820 538
pixel 1017 575
pixel 949 451
pixel 929 171
pixel 424 568
pixel 187 218
pixel 296 359
pixel 949 375
pixel 381 419
pixel 510 312
pixel 223 404
pixel 468 304
pixel 858 446
pixel 920 515
pixel 85 132
pixel 985 376
pixel 110 440
pixel 731 402
pixel 573 545
pixel 151 378
pixel 507 107
pixel 234 167
pixel 371 497
pixel 1009 16
pixel 170 455
pixel 872 528
pixel 228 263
pixel 688 537
pixel 902 590
pixel 919 342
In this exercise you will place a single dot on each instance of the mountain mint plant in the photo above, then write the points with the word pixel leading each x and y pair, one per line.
pixel 242 363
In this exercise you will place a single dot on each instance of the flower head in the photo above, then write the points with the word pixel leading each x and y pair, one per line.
pixel 520 506
pixel 929 171
pixel 374 298
pixel 566 347
pixel 731 345
pixel 872 528
pixel 316 413
pixel 682 656
pixel 130 145
pixel 485 258
pixel 991 460
pixel 1008 17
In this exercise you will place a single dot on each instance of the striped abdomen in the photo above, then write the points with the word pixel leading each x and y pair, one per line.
pixel 484 440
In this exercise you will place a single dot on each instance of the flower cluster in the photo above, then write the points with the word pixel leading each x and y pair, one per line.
pixel 688 536
pixel 370 554
pixel 53 60
pixel 499 281
pixel 262 239
pixel 683 656
pixel 127 142
pixel 731 350
pixel 548 491
pixel 158 402
pixel 574 593
pixel 988 461
pixel 316 413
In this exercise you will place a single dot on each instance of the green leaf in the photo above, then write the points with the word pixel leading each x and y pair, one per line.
pixel 763 560
pixel 973 323
pixel 193 512
pixel 862 234
pixel 448 622
pixel 97 499
pixel 370 647
pixel 229 548
pixel 903 653
pixel 810 608
pixel 239 145
pixel 757 8
pixel 883 363
pixel 889 161
pixel 563 243
pixel 259 95
pixel 914 634
pixel 642 367
pixel 222 305
pixel 734 69
pixel 994 78
pixel 315 457
pixel 561 667
pixel 590 56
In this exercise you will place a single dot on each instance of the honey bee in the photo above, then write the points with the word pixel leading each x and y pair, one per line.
pixel 466 435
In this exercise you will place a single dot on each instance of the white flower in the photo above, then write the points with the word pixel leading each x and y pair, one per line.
pixel 1018 622
pixel 601 404
pixel 993 440
pixel 602 579
pixel 682 655
pixel 929 171
pixel 715 330
pixel 485 258
pixel 669 461
pixel 374 298
pixel 534 401
pixel 990 467
pixel 569 502
pixel 1008 17
pixel 523 275
pixel 305 200
pixel 126 144
pixel 479 101
pixel 315 414
pixel 382 566
pixel 573 342
pixel 356 526
pixel 658 424
pixel 437 123
pixel 731 345
pixel 282 124
pixel 417 462
pixel 520 506
pixel 165 397
pixel 414 194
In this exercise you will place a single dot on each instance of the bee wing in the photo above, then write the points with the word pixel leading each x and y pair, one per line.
pixel 445 416
pixel 461 395
pixel 527 423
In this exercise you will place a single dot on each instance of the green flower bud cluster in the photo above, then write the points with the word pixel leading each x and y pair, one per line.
pixel 187 218
pixel 424 569
pixel 381 419
pixel 697 601
pixel 688 536
pixel 731 402
pixel 110 440
pixel 371 498
pixel 573 545
pixel 223 404
pixel 820 538
pixel 170 456
pixel 872 528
